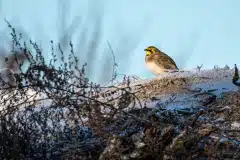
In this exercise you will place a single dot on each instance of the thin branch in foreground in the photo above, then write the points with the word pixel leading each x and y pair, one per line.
pixel 114 72
pixel 236 76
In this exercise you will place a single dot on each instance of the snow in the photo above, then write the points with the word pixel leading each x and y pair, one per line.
pixel 213 81
pixel 235 125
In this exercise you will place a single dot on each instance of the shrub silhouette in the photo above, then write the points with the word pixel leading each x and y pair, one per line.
pixel 50 112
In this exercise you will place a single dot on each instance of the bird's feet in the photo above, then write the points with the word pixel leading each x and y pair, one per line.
pixel 172 71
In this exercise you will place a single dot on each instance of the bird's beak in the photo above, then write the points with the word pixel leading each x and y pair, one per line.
pixel 145 49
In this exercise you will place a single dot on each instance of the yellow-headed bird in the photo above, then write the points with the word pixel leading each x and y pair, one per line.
pixel 158 62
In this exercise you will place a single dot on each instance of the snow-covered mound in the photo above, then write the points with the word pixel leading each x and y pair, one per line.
pixel 183 89
pixel 186 88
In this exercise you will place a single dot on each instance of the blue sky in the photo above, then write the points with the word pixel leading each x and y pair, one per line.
pixel 192 32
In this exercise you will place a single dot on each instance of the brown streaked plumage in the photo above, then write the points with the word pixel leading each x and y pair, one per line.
pixel 11 62
pixel 11 67
pixel 7 76
pixel 158 62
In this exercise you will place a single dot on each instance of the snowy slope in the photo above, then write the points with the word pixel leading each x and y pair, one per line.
pixel 186 88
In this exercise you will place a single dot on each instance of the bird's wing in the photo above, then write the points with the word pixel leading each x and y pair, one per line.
pixel 166 61
pixel 7 75
pixel 12 64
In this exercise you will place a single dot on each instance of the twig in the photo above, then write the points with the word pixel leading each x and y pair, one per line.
pixel 236 76
pixel 193 90
pixel 114 63
pixel 197 115
pixel 199 67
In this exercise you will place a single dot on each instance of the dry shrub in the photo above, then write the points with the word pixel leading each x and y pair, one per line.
pixel 54 112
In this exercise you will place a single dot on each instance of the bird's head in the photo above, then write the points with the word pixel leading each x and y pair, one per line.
pixel 151 50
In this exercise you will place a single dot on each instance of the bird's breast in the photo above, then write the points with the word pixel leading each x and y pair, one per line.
pixel 154 68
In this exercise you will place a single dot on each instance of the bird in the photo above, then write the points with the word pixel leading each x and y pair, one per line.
pixel 159 62
pixel 7 78
pixel 11 63
pixel 10 67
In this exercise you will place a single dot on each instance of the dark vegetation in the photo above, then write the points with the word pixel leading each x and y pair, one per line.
pixel 57 113
pixel 52 112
